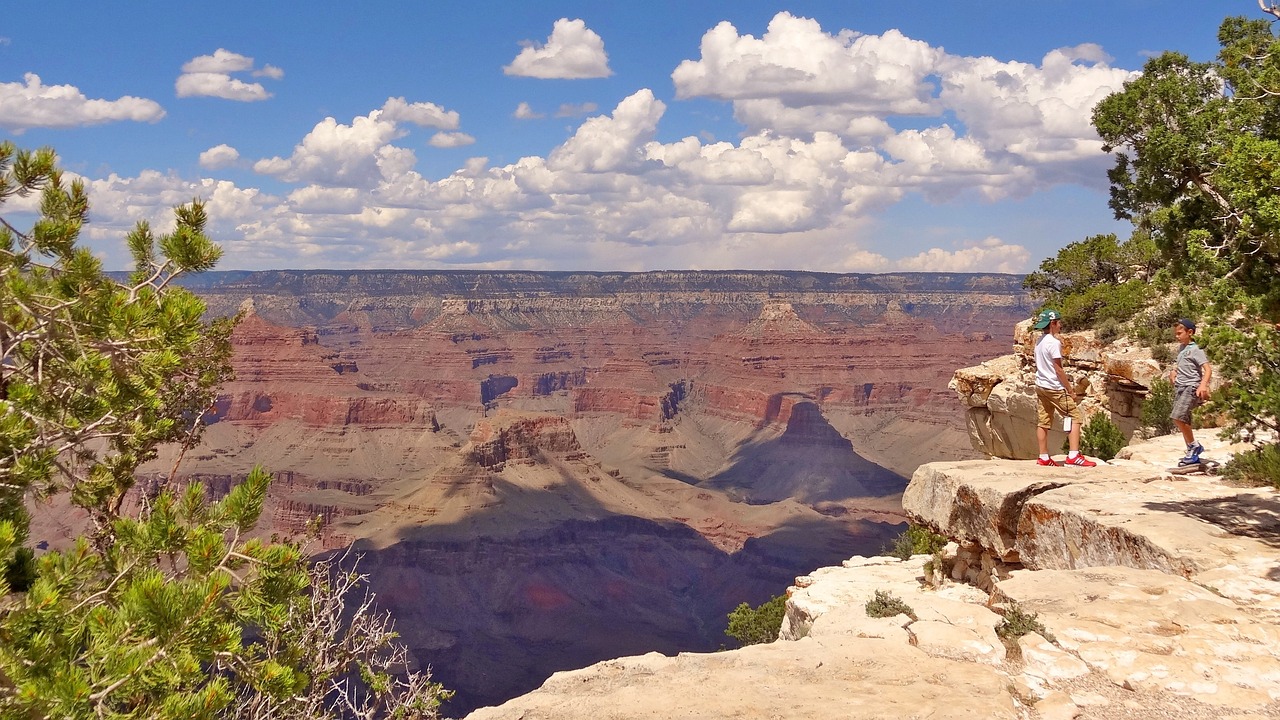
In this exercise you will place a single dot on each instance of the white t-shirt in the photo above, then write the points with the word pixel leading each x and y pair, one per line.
pixel 1048 348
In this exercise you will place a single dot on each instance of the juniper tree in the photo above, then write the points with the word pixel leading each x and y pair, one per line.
pixel 1197 166
pixel 166 607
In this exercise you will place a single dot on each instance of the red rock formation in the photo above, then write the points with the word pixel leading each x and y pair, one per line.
pixel 511 437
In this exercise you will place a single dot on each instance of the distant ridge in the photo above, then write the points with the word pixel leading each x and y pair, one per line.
pixel 482 283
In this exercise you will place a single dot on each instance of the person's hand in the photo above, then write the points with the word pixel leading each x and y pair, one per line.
pixel 1202 393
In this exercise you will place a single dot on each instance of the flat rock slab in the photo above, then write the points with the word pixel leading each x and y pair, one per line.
pixel 1148 630
pixel 1163 452
pixel 1195 529
pixel 848 588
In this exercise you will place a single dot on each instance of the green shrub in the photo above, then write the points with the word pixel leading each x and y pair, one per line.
pixel 751 626
pixel 1107 331
pixel 1256 467
pixel 915 540
pixel 1101 438
pixel 1018 622
pixel 1162 353
pixel 884 605
pixel 1157 406
pixel 1155 326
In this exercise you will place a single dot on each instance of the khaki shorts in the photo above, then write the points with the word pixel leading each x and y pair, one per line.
pixel 1059 401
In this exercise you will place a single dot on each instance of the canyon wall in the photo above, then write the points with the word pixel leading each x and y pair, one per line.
pixel 544 470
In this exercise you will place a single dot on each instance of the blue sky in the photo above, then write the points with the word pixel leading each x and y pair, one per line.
pixel 844 136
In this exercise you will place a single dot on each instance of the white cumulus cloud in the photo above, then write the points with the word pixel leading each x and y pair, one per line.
pixel 210 76
pixel 361 154
pixel 1039 115
pixel 607 143
pixel 338 155
pixel 799 64
pixel 221 61
pixel 989 255
pixel 1022 127
pixel 220 86
pixel 32 104
pixel 525 112
pixel 218 157
pixel 450 139
pixel 423 114
pixel 572 52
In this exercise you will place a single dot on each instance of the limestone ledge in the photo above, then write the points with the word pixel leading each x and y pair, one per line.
pixel 1159 596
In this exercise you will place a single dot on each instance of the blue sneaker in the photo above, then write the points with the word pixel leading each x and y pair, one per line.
pixel 1193 454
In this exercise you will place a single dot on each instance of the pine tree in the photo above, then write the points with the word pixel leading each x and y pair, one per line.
pixel 167 607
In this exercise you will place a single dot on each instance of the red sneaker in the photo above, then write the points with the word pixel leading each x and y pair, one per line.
pixel 1081 461
pixel 1048 463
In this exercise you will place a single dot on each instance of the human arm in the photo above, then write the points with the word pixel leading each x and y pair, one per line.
pixel 1202 390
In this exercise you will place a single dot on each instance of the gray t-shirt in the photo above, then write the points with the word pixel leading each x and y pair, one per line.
pixel 1190 358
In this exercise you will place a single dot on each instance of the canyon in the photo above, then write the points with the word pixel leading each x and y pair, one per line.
pixel 539 471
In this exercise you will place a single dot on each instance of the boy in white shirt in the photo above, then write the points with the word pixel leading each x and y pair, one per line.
pixel 1052 393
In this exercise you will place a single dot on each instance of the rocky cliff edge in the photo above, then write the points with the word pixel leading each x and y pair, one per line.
pixel 1158 597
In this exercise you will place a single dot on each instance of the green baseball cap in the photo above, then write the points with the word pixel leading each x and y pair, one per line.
pixel 1045 317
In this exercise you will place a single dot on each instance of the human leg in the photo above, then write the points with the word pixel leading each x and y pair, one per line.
pixel 1184 401
pixel 1188 435
pixel 1066 406
pixel 1072 410
pixel 1044 418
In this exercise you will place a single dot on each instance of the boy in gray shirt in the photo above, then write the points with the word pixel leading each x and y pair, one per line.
pixel 1190 378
